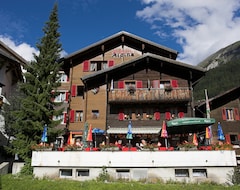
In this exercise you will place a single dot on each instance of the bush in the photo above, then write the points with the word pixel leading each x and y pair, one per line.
pixel 103 176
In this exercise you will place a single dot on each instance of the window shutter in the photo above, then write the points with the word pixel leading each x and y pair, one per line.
pixel 228 139
pixel 236 114
pixel 174 83
pixel 121 115
pixel 181 114
pixel 157 116
pixel 167 115
pixel 120 84
pixel 110 63
pixel 156 83
pixel 139 84
pixel 64 117
pixel 66 96
pixel 224 117
pixel 74 90
pixel 86 66
pixel 72 116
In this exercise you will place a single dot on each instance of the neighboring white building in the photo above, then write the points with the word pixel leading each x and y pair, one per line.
pixel 10 74
pixel 183 166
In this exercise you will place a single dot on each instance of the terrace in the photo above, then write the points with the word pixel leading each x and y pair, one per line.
pixel 149 95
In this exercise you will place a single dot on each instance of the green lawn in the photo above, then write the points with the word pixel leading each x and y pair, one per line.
pixel 11 182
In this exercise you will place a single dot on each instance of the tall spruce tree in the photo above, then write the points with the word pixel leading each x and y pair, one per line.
pixel 39 88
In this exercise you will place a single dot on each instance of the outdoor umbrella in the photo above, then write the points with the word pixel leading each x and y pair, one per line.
pixel 97 131
pixel 164 133
pixel 84 137
pixel 89 135
pixel 220 133
pixel 70 139
pixel 129 132
pixel 207 135
pixel 195 140
pixel 44 134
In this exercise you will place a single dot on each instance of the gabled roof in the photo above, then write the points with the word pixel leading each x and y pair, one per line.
pixel 146 61
pixel 116 40
pixel 15 60
pixel 7 52
pixel 221 99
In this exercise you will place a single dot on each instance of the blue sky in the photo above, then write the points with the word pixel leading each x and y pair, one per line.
pixel 195 28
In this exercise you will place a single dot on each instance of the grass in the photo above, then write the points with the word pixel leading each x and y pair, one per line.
pixel 15 182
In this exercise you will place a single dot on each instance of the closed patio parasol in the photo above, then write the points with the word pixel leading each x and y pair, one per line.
pixel 70 139
pixel 220 133
pixel 44 134
pixel 89 135
pixel 195 140
pixel 129 132
pixel 164 133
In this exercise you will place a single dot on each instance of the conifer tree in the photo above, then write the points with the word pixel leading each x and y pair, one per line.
pixel 41 81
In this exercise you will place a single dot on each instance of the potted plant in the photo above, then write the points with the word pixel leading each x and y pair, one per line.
pixel 109 147
pixel 187 146
pixel 131 89
pixel 41 147
pixel 168 87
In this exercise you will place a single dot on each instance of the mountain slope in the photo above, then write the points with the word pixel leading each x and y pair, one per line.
pixel 228 54
pixel 223 72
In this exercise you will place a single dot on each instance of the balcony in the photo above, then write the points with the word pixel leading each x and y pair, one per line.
pixel 149 95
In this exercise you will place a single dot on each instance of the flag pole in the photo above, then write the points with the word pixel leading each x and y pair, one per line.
pixel 208 115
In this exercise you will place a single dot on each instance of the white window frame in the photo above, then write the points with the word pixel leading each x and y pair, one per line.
pixel 78 115
pixel 199 173
pixel 61 97
pixel 229 114
pixel 123 174
pixel 85 172
pixel 182 172
pixel 63 173
pixel 62 77
pixel 58 118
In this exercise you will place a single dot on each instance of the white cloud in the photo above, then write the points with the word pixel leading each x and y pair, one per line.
pixel 23 49
pixel 201 27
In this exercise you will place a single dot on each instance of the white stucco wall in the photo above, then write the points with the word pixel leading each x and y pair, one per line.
pixel 159 165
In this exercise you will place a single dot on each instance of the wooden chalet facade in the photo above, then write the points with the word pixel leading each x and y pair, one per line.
pixel 225 109
pixel 125 77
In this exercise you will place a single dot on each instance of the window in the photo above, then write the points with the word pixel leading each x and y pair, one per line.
pixel 62 77
pixel 199 173
pixel 230 114
pixel 61 97
pixel 82 172
pixel 65 173
pixel 129 84
pixel 104 65
pixel 123 174
pixel 80 90
pixel 95 114
pixel 181 173
pixel 98 65
pixel 234 139
pixel 61 118
pixel 78 115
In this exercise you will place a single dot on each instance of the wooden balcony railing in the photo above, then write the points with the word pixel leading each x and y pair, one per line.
pixel 148 95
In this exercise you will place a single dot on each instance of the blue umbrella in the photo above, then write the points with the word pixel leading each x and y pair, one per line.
pixel 220 133
pixel 44 134
pixel 129 133
pixel 97 131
